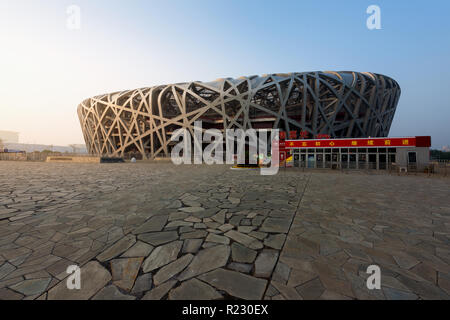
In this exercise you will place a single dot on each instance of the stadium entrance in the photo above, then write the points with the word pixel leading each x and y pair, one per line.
pixel 409 153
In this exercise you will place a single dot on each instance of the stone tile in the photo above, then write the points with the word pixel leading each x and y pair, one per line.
pixel 158 238
pixel 281 273
pixel 161 256
pixel 194 289
pixel 118 248
pixel 219 217
pixel 154 224
pixel 93 278
pixel 424 290
pixel 275 225
pixel 206 260
pixel 240 253
pixel 244 239
pixel 112 293
pixel 139 249
pixel 6 269
pixel 124 272
pixel 330 295
pixel 192 245
pixel 236 284
pixel 178 223
pixel 265 262
pixel 32 286
pixel 217 239
pixel 194 235
pixel 275 241
pixel 288 293
pixel 405 261
pixel 226 227
pixel 192 209
pixel 394 294
pixel 159 292
pixel 6 294
pixel 240 267
pixel 143 283
pixel 311 290
pixel 172 269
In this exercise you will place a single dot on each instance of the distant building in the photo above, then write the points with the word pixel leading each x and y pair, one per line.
pixel 79 149
pixel 9 136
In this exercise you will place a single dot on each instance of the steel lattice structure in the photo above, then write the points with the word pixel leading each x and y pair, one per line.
pixel 340 104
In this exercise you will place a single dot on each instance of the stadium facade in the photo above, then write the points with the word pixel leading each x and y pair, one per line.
pixel 333 104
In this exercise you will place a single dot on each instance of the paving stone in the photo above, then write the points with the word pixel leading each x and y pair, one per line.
pixel 288 293
pixel 193 219
pixel 424 290
pixel 192 245
pixel 178 223
pixel 194 235
pixel 206 260
pixel 240 253
pixel 161 256
pixel 118 248
pixel 155 223
pixel 112 293
pixel 186 229
pixel 93 278
pixel 192 209
pixel 240 267
pixel 158 238
pixel 172 269
pixel 405 261
pixel 311 290
pixel 219 217
pixel 32 286
pixel 174 204
pixel 265 262
pixel 6 269
pixel 330 295
pixel 258 235
pixel 214 231
pixel 257 221
pixel 226 227
pixel 143 283
pixel 244 239
pixel 125 271
pixel 178 216
pixel 275 225
pixel 194 289
pixel 394 294
pixel 236 220
pixel 275 241
pixel 159 292
pixel 200 226
pixel 217 239
pixel 139 249
pixel 246 229
pixel 236 284
pixel 281 273
pixel 6 294
pixel 425 271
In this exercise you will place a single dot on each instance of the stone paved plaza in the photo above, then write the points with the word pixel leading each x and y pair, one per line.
pixel 159 231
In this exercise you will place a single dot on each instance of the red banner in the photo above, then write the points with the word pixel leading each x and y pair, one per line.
pixel 352 143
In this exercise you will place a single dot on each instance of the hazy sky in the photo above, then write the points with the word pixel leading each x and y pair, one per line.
pixel 46 69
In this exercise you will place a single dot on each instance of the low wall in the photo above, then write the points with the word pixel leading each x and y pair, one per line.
pixel 74 159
